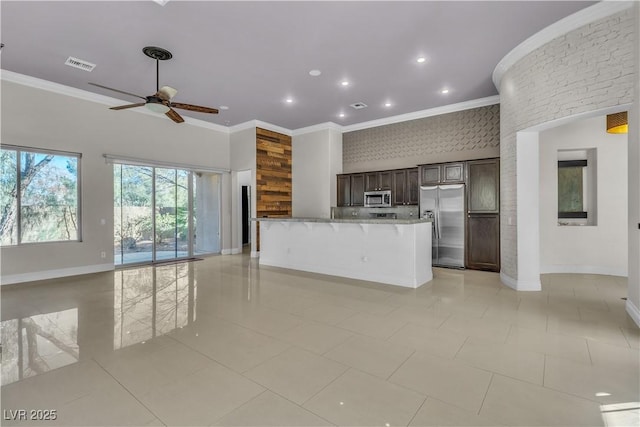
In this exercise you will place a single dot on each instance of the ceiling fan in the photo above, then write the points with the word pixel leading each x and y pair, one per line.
pixel 160 102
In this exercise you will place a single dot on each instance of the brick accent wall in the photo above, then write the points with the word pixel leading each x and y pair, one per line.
pixel 585 70
pixel 462 135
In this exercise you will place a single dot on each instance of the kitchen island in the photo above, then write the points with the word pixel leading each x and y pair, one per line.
pixel 391 251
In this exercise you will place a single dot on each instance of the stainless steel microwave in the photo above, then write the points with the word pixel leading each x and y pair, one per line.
pixel 377 199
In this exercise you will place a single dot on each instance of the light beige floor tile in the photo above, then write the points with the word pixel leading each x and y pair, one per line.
pixel 143 373
pixel 55 388
pixel 602 384
pixel 296 374
pixel 435 342
pixel 201 398
pixel 370 307
pixel 518 403
pixel 471 306
pixel 108 406
pixel 605 355
pixel 325 312
pixel 491 330
pixel 564 346
pixel 633 337
pixel 520 317
pixel 155 423
pixel 360 399
pixel 503 359
pixel 269 409
pixel 453 382
pixel 376 357
pixel 429 317
pixel 437 413
pixel 597 331
pixel 267 321
pixel 316 337
pixel 372 325
pixel 233 346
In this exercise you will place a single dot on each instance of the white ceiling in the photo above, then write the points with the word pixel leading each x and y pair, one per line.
pixel 252 56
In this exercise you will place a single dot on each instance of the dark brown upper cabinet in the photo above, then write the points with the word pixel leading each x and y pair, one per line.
pixel 357 189
pixel 375 181
pixel 344 190
pixel 351 189
pixel 405 189
pixel 444 173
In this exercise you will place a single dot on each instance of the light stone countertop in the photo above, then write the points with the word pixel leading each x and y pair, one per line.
pixel 349 220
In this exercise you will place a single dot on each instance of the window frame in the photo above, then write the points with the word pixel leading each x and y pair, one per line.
pixel 19 150
pixel 582 163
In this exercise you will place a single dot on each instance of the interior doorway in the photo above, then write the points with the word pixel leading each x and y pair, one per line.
pixel 246 217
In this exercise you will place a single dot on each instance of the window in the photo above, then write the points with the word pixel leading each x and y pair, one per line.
pixel 39 197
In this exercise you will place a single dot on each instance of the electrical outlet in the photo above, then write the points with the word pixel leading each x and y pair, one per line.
pixel 103 254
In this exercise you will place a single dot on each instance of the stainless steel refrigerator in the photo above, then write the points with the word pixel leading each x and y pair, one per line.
pixel 444 204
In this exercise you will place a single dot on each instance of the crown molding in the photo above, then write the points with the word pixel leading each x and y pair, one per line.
pixel 73 92
pixel 451 108
pixel 252 124
pixel 572 22
pixel 37 83
pixel 318 128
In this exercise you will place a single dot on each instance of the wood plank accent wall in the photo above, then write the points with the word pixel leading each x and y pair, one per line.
pixel 273 175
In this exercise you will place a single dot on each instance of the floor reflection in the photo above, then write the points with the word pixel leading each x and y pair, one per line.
pixel 153 301
pixel 37 344
pixel 73 321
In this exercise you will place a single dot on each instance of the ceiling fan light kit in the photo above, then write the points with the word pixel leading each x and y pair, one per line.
pixel 160 102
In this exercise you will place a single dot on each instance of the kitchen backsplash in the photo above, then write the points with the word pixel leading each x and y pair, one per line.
pixel 401 212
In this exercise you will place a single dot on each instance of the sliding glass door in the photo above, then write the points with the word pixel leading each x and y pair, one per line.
pixel 164 214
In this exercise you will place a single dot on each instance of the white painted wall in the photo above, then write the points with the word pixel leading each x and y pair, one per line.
pixel 633 297
pixel 43 119
pixel 602 248
pixel 316 159
pixel 569 75
pixel 243 172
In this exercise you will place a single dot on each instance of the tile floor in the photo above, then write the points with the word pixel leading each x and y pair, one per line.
pixel 225 342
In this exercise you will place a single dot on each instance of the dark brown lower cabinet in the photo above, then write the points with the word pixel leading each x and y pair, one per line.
pixel 483 242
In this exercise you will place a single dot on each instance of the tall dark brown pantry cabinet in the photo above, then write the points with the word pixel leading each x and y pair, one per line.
pixel 483 215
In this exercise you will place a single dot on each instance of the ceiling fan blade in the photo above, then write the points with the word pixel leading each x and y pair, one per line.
pixel 117 90
pixel 173 115
pixel 124 107
pixel 194 108
pixel 167 92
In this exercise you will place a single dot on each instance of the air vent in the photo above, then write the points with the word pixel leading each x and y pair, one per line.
pixel 79 63
pixel 358 105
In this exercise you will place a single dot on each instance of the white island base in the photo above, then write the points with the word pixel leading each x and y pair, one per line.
pixel 395 252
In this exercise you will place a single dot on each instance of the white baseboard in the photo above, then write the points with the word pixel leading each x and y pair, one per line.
pixel 584 269
pixel 226 252
pixel 255 254
pixel 520 285
pixel 633 311
pixel 236 251
pixel 54 274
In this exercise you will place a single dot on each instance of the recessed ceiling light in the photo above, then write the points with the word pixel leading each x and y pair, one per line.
pixel 341 115
pixel 444 91
pixel 344 83
pixel 315 73
pixel 421 59
pixel 288 100
pixel 223 107
pixel 387 104
pixel 161 2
